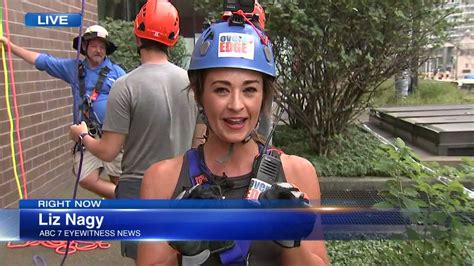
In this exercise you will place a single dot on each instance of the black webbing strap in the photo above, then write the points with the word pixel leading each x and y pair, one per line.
pixel 86 108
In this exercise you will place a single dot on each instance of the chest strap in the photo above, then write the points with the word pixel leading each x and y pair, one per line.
pixel 86 108
pixel 81 70
pixel 198 174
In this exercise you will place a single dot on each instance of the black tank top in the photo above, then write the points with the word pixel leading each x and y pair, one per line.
pixel 265 253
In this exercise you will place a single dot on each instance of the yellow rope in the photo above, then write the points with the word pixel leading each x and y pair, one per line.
pixel 10 117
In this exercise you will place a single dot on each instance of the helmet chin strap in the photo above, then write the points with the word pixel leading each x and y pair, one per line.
pixel 230 151
pixel 227 156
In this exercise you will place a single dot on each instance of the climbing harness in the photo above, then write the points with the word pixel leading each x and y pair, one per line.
pixel 87 106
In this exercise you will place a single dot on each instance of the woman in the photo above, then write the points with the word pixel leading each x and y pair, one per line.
pixel 231 74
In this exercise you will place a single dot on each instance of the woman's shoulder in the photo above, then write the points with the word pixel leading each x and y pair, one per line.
pixel 301 172
pixel 296 163
pixel 160 178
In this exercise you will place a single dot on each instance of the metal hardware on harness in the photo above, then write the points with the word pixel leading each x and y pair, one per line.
pixel 86 107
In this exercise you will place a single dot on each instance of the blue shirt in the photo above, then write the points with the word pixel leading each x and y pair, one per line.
pixel 66 69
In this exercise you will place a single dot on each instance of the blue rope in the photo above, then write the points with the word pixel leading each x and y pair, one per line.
pixel 75 106
pixel 37 258
pixel 76 117
pixel 78 177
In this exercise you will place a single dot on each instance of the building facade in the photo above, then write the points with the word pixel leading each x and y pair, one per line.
pixel 44 103
pixel 454 60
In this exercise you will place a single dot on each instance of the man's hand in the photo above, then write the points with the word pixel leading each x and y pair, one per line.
pixel 4 40
pixel 76 130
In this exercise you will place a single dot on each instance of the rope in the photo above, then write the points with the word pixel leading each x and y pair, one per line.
pixel 262 36
pixel 7 100
pixel 60 247
pixel 15 105
pixel 76 116
pixel 79 170
pixel 75 104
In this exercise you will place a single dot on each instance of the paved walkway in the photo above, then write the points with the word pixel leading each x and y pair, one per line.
pixel 24 256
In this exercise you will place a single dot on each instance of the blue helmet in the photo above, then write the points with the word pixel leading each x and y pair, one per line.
pixel 233 46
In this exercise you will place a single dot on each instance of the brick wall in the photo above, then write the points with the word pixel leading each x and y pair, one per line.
pixel 44 103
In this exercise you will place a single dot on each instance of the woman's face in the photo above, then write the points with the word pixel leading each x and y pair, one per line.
pixel 232 99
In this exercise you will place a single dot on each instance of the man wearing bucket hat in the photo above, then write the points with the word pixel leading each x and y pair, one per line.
pixel 91 80
pixel 149 111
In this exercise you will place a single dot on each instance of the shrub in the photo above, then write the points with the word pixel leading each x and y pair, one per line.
pixel 440 215
pixel 353 153
pixel 428 92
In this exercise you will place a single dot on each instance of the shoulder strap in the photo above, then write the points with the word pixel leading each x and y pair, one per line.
pixel 100 82
pixel 193 158
pixel 238 254
pixel 81 75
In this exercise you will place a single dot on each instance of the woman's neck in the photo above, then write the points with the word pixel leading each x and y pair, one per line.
pixel 240 161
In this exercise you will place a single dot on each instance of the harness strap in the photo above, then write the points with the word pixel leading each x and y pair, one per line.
pixel 100 82
pixel 86 108
pixel 81 70
pixel 238 254
pixel 81 75
pixel 192 156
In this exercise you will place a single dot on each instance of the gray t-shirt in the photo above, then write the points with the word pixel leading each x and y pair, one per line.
pixel 151 106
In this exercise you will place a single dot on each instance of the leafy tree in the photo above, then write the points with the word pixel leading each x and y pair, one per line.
pixel 121 33
pixel 333 55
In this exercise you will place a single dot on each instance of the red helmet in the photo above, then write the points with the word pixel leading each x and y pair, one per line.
pixel 260 12
pixel 158 20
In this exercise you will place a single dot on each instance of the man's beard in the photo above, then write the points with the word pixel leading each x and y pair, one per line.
pixel 97 59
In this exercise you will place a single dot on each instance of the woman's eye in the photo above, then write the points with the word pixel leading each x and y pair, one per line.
pixel 220 90
pixel 250 90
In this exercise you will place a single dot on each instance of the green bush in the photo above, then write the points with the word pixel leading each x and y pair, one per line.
pixel 362 252
pixel 428 92
pixel 121 33
pixel 353 153
pixel 439 214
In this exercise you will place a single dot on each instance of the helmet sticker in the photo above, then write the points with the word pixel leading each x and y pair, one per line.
pixel 236 45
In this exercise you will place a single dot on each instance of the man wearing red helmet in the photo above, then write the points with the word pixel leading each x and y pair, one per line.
pixel 91 80
pixel 149 111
